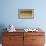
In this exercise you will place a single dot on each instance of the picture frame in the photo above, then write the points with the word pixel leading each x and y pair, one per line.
pixel 25 13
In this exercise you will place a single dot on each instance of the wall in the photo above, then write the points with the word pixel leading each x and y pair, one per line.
pixel 9 13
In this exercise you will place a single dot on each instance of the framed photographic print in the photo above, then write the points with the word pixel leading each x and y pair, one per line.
pixel 25 13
